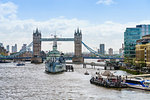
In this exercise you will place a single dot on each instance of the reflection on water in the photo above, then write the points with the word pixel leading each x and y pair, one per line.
pixel 30 82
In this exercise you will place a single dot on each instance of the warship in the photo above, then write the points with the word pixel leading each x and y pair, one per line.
pixel 55 61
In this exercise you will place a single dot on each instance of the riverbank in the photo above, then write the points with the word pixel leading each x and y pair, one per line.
pixel 131 71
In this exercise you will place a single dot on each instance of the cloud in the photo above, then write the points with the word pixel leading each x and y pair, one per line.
pixel 14 30
pixel 8 11
pixel 105 2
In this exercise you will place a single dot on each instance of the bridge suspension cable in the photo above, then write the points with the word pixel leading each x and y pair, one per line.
pixel 92 51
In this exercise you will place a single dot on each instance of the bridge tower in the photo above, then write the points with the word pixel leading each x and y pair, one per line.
pixel 78 47
pixel 36 47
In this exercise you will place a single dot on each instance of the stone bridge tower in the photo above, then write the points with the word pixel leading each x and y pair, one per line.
pixel 78 47
pixel 36 47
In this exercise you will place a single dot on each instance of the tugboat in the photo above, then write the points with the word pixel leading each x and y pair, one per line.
pixel 55 61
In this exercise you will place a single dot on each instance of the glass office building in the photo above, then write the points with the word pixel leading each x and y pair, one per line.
pixel 102 49
pixel 131 35
pixel 145 29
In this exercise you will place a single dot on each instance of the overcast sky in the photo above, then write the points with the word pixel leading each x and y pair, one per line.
pixel 101 21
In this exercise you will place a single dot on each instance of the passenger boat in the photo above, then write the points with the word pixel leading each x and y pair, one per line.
pixel 107 79
pixel 20 64
pixel 138 83
pixel 55 61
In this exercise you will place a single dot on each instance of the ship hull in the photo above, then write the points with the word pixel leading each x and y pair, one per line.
pixel 55 67
pixel 138 87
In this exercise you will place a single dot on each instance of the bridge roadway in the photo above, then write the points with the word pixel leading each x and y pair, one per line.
pixel 57 39
pixel 92 63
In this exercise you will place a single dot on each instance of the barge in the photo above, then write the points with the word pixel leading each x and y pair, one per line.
pixel 107 79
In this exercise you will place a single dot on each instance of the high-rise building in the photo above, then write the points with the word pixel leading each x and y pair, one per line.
pixel 145 29
pixel 3 50
pixel 110 51
pixel 14 48
pixel 24 47
pixel 131 35
pixel 102 49
pixel 7 48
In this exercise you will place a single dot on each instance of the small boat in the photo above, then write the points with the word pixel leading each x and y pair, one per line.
pixel 20 64
pixel 55 62
pixel 86 73
pixel 138 83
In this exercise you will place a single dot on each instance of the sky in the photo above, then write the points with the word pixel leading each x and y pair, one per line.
pixel 101 21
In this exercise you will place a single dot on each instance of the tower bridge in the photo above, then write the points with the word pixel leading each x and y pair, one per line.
pixel 37 39
pixel 36 44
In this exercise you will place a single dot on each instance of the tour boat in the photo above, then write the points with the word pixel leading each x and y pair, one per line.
pixel 138 83
pixel 55 62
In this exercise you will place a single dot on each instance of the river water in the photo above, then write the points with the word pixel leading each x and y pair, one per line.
pixel 30 82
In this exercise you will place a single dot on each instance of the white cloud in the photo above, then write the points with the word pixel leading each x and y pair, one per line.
pixel 20 31
pixel 105 2
pixel 8 11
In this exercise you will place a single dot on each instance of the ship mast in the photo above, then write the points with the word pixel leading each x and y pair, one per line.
pixel 55 43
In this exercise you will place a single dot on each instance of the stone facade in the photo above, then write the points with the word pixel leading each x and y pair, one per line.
pixel 143 52
pixel 36 47
pixel 78 47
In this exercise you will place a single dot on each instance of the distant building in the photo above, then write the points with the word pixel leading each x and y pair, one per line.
pixel 1 45
pixel 120 51
pixel 110 51
pixel 145 29
pixel 102 49
pixel 24 47
pixel 131 35
pixel 7 48
pixel 14 48
pixel 3 50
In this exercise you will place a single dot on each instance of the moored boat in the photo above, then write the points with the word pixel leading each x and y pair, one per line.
pixel 107 79
pixel 138 83
pixel 55 62
pixel 86 73
pixel 20 64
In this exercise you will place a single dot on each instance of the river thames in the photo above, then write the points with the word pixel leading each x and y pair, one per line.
pixel 30 82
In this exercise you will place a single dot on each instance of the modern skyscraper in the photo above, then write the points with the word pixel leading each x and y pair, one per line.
pixel 14 48
pixel 145 29
pixel 131 35
pixel 143 52
pixel 110 51
pixel 102 49
pixel 7 48
pixel 24 47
